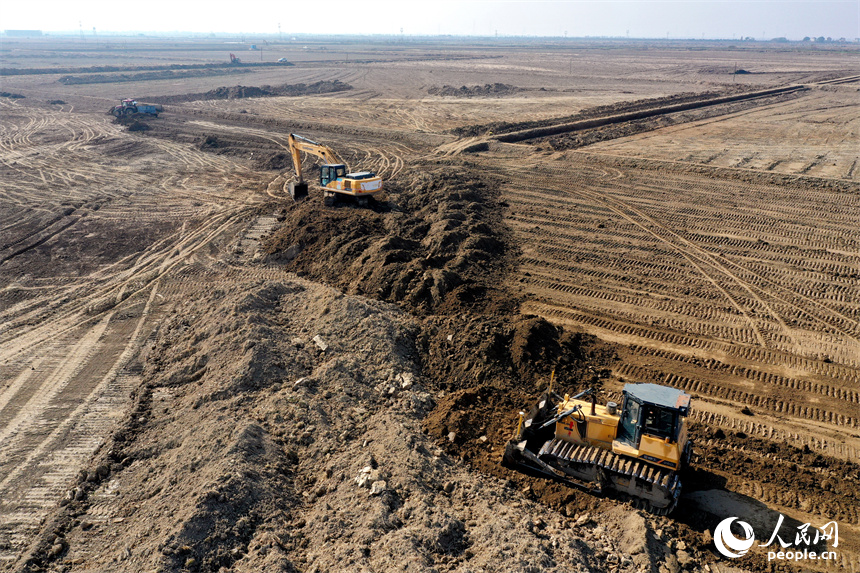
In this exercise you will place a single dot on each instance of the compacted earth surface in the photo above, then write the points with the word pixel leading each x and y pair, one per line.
pixel 197 374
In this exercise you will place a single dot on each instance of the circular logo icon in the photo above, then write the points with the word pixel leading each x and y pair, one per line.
pixel 728 544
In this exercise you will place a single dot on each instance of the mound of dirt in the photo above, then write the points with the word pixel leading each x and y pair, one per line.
pixel 209 142
pixel 597 111
pixel 437 246
pixel 149 76
pixel 276 161
pixel 239 92
pixel 138 126
pixel 496 89
pixel 133 122
pixel 278 429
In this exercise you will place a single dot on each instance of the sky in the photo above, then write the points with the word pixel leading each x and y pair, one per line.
pixel 708 19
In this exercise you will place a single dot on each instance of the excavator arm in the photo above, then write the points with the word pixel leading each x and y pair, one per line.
pixel 299 144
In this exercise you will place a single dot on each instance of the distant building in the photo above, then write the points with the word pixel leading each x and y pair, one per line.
pixel 22 33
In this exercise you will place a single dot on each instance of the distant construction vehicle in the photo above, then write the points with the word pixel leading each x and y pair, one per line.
pixel 234 59
pixel 129 106
pixel 637 452
pixel 335 178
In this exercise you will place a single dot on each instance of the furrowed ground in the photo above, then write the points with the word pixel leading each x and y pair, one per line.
pixel 159 279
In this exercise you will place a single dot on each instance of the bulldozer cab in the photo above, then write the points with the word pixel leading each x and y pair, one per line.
pixel 331 172
pixel 651 410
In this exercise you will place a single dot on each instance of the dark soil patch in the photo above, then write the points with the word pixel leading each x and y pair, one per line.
pixel 438 246
pixel 240 92
pixel 276 161
pixel 134 122
pixel 589 113
pixel 138 126
pixel 496 89
pixel 149 76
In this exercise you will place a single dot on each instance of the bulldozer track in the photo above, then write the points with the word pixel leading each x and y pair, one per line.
pixel 574 455
pixel 755 399
pixel 747 290
pixel 681 340
pixel 828 390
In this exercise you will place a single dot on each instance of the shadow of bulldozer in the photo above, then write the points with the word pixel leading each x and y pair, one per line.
pixel 708 502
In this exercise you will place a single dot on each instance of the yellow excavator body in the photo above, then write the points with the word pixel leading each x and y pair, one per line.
pixel 335 177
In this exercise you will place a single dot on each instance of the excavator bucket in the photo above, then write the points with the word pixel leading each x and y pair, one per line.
pixel 298 191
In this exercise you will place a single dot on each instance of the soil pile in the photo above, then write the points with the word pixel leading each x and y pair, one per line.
pixel 437 245
pixel 274 161
pixel 240 92
pixel 134 121
pixel 139 126
pixel 496 89
pixel 279 430
pixel 236 92
pixel 481 361
pixel 149 76
pixel 593 112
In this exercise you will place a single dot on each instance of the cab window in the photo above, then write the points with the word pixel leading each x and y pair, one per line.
pixel 657 421
pixel 634 412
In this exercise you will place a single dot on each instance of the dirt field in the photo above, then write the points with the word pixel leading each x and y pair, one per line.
pixel 197 374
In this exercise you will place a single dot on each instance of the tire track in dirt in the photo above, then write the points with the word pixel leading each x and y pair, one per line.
pixel 57 430
pixel 67 352
pixel 648 225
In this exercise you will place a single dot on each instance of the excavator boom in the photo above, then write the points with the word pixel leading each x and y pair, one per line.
pixel 299 143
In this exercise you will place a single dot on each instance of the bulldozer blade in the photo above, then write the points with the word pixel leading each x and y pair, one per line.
pixel 298 191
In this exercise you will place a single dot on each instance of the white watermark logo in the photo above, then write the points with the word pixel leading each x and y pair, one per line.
pixel 728 544
pixel 732 547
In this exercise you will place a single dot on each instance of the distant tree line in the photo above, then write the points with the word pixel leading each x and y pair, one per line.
pixel 822 39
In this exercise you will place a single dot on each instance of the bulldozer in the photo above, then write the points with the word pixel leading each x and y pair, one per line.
pixel 637 451
pixel 335 178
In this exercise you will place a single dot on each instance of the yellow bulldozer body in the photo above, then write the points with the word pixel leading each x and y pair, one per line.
pixel 601 429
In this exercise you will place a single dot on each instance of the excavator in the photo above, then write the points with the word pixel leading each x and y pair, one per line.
pixel 637 451
pixel 335 178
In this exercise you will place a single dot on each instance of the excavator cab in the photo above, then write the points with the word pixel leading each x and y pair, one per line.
pixel 331 172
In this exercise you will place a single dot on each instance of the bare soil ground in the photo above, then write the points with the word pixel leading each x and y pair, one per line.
pixel 197 374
